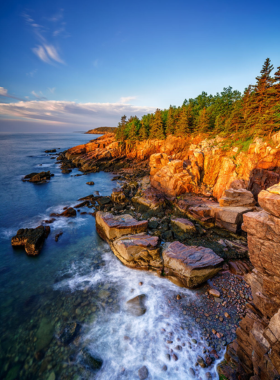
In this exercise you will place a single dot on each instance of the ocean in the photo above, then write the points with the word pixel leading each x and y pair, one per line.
pixel 78 284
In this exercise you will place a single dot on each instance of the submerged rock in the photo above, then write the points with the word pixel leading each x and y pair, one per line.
pixel 143 373
pixel 91 183
pixel 31 239
pixel 44 334
pixel 91 360
pixel 136 305
pixel 190 266
pixel 69 332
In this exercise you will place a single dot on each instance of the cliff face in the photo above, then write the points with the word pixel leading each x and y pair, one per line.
pixel 180 167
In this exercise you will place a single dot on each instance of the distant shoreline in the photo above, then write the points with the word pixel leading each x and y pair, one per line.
pixel 102 130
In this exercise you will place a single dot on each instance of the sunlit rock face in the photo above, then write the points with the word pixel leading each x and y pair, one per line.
pixel 258 337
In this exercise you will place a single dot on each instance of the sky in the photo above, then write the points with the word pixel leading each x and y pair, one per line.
pixel 76 65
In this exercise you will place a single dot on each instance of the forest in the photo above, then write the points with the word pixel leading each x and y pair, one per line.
pixel 229 114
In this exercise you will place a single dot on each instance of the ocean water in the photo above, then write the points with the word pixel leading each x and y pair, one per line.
pixel 78 280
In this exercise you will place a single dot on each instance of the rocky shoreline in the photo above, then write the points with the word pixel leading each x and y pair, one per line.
pixel 191 217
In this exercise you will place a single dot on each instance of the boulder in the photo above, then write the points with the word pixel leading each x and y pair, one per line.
pixel 138 251
pixel 69 212
pixel 182 228
pixel 110 226
pixel 118 196
pixel 136 306
pixel 261 179
pixel 269 200
pixel 69 332
pixel 91 360
pixel 230 218
pixel 38 177
pixel 31 239
pixel 237 198
pixel 91 183
pixel 262 225
pixel 190 266
pixel 150 201
pixel 157 161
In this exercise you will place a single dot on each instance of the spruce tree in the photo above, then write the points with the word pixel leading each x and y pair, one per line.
pixel 182 127
pixel 203 122
pixel 157 129
pixel 143 132
pixel 170 122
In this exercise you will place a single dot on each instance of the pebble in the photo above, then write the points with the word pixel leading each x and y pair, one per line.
pixel 214 293
pixel 192 372
pixel 143 373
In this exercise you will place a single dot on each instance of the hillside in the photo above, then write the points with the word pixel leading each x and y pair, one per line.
pixel 101 130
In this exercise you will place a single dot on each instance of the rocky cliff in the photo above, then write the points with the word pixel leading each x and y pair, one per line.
pixel 216 187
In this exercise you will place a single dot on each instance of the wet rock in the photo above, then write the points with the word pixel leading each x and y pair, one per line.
pixel 143 373
pixel 174 357
pixel 118 196
pixel 182 228
pixel 91 183
pixel 167 236
pixel 69 332
pixel 57 236
pixel 50 151
pixel 31 239
pixel 153 223
pixel 38 177
pixel 164 368
pixel 111 226
pixel 69 213
pixel 214 293
pixel 92 361
pixel 201 362
pixel 138 251
pixel 136 305
pixel 52 376
pixel 192 373
pixel 150 202
pixel 190 265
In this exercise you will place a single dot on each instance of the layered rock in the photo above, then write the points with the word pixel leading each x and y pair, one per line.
pixel 111 226
pixel 182 228
pixel 237 198
pixel 258 337
pixel 138 251
pixel 38 177
pixel 269 200
pixel 31 239
pixel 188 265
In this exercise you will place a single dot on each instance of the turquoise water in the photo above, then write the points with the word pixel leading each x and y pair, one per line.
pixel 78 280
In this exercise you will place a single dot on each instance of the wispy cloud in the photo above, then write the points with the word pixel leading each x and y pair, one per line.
pixel 38 96
pixel 45 50
pixel 71 113
pixel 127 99
pixel 52 90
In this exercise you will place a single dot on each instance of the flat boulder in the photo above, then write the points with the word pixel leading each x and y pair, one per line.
pixel 110 226
pixel 138 251
pixel 269 200
pixel 237 198
pixel 230 218
pixel 190 266
pixel 31 239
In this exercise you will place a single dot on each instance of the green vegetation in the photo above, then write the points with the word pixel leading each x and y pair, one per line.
pixel 102 130
pixel 238 117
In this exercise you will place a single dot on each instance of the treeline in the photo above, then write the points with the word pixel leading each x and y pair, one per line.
pixel 256 112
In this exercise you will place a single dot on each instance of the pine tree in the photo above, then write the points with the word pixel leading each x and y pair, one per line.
pixel 203 122
pixel 120 134
pixel 157 130
pixel 143 132
pixel 132 135
pixel 170 122
pixel 182 127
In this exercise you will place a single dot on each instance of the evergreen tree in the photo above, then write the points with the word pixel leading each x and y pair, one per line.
pixel 143 132
pixel 120 134
pixel 203 121
pixel 170 122
pixel 157 130
pixel 182 127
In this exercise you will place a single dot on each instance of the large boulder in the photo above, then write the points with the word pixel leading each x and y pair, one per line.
pixel 38 177
pixel 237 198
pixel 157 161
pixel 190 266
pixel 230 218
pixel 150 201
pixel 31 239
pixel 269 200
pixel 110 226
pixel 138 251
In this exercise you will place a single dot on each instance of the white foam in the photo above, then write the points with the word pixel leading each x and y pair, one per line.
pixel 146 345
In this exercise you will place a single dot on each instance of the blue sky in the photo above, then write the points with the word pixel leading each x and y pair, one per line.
pixel 69 65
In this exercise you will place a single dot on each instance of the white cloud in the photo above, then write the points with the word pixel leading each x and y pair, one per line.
pixel 41 53
pixel 47 54
pixel 127 99
pixel 53 54
pixel 52 90
pixel 70 113
pixel 31 73
pixel 3 91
